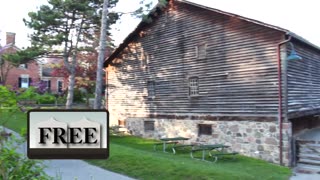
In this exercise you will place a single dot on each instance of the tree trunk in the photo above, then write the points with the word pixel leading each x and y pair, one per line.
pixel 70 91
pixel 72 77
pixel 102 50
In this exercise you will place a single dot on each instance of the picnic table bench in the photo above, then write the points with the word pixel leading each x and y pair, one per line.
pixel 164 145
pixel 178 146
pixel 165 141
pixel 214 150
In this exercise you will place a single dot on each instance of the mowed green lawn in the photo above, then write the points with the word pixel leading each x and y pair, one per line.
pixel 135 157
pixel 13 120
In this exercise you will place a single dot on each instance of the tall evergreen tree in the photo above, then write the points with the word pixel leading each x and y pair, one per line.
pixel 67 24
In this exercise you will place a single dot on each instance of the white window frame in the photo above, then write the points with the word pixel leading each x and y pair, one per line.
pixel 193 86
pixel 24 76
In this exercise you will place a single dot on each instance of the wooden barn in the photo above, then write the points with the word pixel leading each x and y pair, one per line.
pixel 215 77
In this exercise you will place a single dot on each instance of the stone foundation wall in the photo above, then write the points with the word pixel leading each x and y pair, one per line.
pixel 254 139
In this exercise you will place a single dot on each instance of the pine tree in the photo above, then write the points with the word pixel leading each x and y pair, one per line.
pixel 67 24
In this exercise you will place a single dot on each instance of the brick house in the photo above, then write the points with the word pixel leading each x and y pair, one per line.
pixel 30 73
pixel 215 77
pixel 56 84
pixel 21 76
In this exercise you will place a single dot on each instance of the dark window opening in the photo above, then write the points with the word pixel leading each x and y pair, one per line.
pixel 148 125
pixel 205 129
pixel 60 84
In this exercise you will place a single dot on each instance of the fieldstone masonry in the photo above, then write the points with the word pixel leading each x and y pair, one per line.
pixel 254 139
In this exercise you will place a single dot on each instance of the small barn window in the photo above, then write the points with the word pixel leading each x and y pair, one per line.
pixel 205 129
pixel 201 51
pixel 148 125
pixel 193 86
pixel 151 89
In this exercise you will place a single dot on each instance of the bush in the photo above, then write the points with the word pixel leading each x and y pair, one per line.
pixel 7 97
pixel 78 96
pixel 14 165
pixel 46 98
pixel 8 104
pixel 29 94
pixel 61 99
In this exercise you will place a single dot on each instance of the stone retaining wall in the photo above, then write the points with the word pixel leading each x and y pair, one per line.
pixel 254 139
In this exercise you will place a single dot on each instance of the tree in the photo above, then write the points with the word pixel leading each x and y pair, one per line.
pixel 5 68
pixel 140 13
pixel 67 24
pixel 9 61
pixel 86 69
pixel 102 49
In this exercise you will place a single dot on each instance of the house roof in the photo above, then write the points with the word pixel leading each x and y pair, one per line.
pixel 7 46
pixel 157 9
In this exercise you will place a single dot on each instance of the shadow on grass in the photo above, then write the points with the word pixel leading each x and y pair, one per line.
pixel 135 157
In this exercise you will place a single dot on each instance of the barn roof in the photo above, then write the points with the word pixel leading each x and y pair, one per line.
pixel 158 8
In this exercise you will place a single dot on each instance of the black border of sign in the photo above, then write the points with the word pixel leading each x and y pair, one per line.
pixel 81 155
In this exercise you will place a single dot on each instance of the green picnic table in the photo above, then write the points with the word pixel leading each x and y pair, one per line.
pixel 218 148
pixel 173 140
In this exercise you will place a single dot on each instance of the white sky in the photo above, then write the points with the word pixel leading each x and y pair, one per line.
pixel 300 17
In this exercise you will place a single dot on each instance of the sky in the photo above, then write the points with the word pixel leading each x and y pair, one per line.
pixel 298 16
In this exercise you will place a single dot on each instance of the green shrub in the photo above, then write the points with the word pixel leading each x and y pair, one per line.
pixel 78 96
pixel 7 97
pixel 61 99
pixel 14 165
pixel 8 104
pixel 46 98
pixel 29 94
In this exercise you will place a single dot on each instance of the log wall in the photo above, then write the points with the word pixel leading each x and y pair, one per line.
pixel 238 77
pixel 304 82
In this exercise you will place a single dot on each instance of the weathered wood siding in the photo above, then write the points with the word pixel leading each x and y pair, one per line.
pixel 304 82
pixel 237 78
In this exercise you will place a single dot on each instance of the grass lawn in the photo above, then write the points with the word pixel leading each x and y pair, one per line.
pixel 134 157
pixel 13 120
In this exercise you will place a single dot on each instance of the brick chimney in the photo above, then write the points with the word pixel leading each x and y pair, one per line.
pixel 11 38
